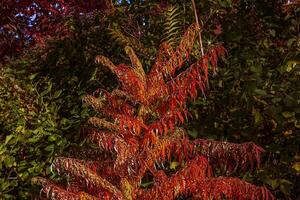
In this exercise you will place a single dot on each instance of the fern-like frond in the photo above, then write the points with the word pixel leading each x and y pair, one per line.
pixel 136 64
pixel 118 36
pixel 162 150
pixel 132 79
pixel 117 102
pixel 103 124
pixel 231 155
pixel 166 64
pixel 130 125
pixel 131 83
pixel 186 85
pixel 53 191
pixel 169 60
pixel 96 103
pixel 192 180
pixel 85 175
pixel 106 62
pixel 106 140
pixel 172 25
pixel 124 96
pixel 85 153
pixel 229 188
pixel 123 40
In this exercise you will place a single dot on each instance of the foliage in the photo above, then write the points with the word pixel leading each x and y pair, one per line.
pixel 33 116
pixel 65 67
pixel 25 23
pixel 138 125
pixel 255 95
pixel 252 97
pixel 172 25
pixel 88 36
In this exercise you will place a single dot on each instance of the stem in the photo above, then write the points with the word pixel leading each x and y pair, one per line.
pixel 198 26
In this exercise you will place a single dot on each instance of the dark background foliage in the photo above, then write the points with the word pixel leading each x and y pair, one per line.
pixel 253 97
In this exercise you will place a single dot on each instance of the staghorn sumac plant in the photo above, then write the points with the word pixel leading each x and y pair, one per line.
pixel 138 130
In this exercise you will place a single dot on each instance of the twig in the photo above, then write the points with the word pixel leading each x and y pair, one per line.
pixel 198 26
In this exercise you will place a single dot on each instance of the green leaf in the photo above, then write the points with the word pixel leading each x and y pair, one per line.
pixel 47 90
pixel 276 100
pixel 52 138
pixel 260 92
pixel 50 147
pixel 34 139
pixel 146 184
pixel 31 170
pixel 193 133
pixel 257 117
pixel 296 166
pixel 225 3
pixel 2 149
pixel 285 186
pixel 9 161
pixel 291 41
pixel 290 65
pixel 273 32
pixel 274 183
pixel 287 114
pixel 32 76
pixel 8 138
pixel 173 165
pixel 57 94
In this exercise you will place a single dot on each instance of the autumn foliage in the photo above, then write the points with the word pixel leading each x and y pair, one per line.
pixel 137 134
pixel 26 23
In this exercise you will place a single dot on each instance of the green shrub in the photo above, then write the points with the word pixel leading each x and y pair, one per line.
pixel 255 95
pixel 33 116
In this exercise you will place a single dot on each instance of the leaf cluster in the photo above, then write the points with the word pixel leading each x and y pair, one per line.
pixel 33 116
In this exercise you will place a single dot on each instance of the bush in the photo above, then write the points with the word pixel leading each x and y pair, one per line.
pixel 255 94
pixel 33 116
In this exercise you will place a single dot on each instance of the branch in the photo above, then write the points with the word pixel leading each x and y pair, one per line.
pixel 198 27
pixel 168 60
pixel 103 124
pixel 180 183
pixel 54 191
pixel 82 173
pixel 131 83
pixel 230 188
pixel 104 139
pixel 231 155
pixel 106 62
pixel 186 85
pixel 96 103
pixel 195 180
pixel 168 121
pixel 136 63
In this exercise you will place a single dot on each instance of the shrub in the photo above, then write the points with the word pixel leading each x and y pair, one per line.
pixel 140 152
pixel 32 121
pixel 254 96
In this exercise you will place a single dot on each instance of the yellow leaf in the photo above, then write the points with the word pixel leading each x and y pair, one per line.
pixel 296 166
pixel 287 133
pixel 173 165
